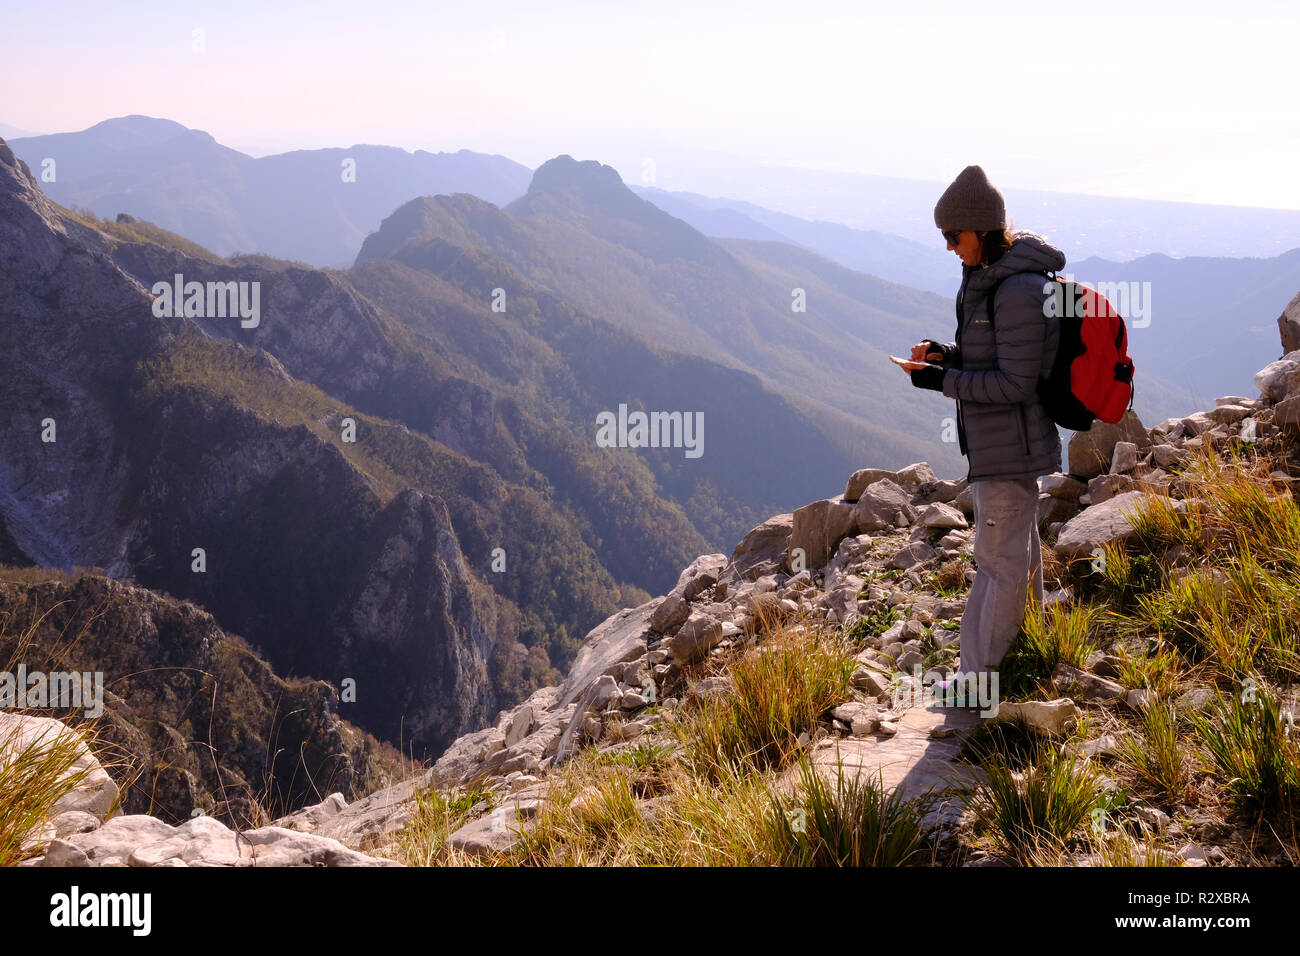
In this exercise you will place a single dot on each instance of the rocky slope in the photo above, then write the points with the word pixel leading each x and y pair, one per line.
pixel 893 548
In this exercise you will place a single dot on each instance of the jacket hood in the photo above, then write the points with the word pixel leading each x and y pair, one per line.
pixel 1029 252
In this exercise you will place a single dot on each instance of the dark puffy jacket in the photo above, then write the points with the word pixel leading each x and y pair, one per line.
pixel 995 369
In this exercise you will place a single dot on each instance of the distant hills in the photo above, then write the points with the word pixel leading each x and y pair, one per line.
pixel 1082 225
pixel 817 332
pixel 305 205
pixel 580 232
pixel 930 267
pixel 1187 352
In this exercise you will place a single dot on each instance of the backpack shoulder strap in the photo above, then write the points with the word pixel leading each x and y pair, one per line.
pixel 997 285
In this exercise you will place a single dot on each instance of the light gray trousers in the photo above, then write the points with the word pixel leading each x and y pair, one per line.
pixel 1008 564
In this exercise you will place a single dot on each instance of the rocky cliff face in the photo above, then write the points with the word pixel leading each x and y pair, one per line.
pixel 425 616
pixel 323 332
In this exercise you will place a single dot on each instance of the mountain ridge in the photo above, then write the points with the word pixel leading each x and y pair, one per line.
pixel 316 205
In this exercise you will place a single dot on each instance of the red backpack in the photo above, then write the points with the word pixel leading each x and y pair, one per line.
pixel 1092 376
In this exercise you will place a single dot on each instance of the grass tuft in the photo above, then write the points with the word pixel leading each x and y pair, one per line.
pixel 851 822
pixel 1157 756
pixel 780 690
pixel 1038 807
pixel 34 775
pixel 1255 752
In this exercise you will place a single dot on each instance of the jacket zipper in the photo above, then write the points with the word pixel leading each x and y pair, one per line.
pixel 961 321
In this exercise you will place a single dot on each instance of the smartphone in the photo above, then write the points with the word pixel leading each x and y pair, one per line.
pixel 910 365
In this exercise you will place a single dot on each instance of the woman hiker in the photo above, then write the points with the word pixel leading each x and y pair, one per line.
pixel 992 370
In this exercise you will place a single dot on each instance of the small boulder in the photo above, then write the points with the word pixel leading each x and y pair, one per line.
pixel 1104 487
pixel 696 637
pixel 701 574
pixel 763 550
pixel 861 478
pixel 1195 424
pixel 1286 413
pixel 1153 817
pixel 1194 700
pixel 670 612
pixel 1166 455
pixel 941 492
pixel 1138 697
pixel 915 553
pixel 943 516
pixel 913 476
pixel 602 692
pixel 1068 680
pixel 1227 414
pixel 880 505
pixel 587 799
pixel 1047 716
pixel 909 660
pixel 95 793
pixel 1124 458
pixel 818 528
pixel 1099 525
pixel 871 682
pixel 862 718
pixel 1052 510
pixel 1278 380
pixel 1288 325
pixel 521 722
pixel 1090 452
pixel 1061 486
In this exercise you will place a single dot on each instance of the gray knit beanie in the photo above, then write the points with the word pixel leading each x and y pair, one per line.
pixel 971 202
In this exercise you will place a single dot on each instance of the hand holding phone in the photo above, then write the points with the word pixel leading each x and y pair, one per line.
pixel 927 350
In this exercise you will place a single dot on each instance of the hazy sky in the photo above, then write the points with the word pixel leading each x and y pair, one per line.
pixel 1184 100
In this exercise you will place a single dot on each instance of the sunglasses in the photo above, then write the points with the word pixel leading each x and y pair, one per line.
pixel 953 236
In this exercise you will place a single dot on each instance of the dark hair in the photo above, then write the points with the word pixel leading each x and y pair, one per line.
pixel 993 245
